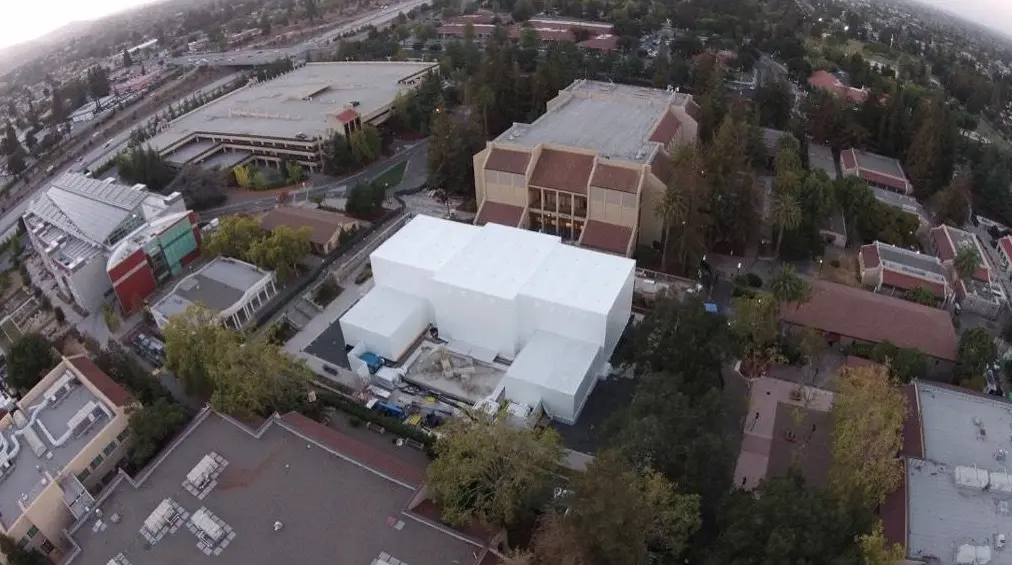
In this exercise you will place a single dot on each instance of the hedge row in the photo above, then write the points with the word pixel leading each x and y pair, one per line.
pixel 361 412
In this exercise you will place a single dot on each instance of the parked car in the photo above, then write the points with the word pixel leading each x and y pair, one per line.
pixel 150 349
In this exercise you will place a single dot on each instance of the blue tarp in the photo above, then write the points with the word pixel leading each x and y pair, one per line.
pixel 711 307
pixel 373 361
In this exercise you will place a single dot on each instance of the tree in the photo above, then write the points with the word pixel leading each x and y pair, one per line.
pixel 492 473
pixel 672 211
pixel 98 82
pixel 311 10
pixel 265 24
pixel 617 514
pixel 201 188
pixel 451 146
pixel 785 521
pixel 733 199
pixel 365 143
pixel 788 286
pixel 775 101
pixel 481 97
pixel 152 426
pixel 523 10
pixel 191 338
pixel 755 319
pixel 146 166
pixel 868 414
pixel 338 158
pixel 16 163
pixel 15 555
pixel 243 378
pixel 365 200
pixel 786 216
pixel 28 360
pixel 234 237
pixel 682 209
pixel 875 550
pixel 974 355
pixel 967 261
pixel 922 295
pixel 127 59
pixel 952 204
pixel 282 250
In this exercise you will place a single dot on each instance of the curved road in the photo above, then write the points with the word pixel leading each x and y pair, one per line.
pixel 414 176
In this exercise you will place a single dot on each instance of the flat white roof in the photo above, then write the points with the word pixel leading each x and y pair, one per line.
pixel 383 311
pixel 498 261
pixel 554 362
pixel 580 278
pixel 297 102
pixel 426 243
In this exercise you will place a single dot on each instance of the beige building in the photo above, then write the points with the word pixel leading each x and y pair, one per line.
pixel 592 169
pixel 59 444
pixel 290 117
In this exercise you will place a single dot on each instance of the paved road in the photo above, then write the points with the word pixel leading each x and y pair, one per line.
pixel 8 222
pixel 414 176
pixel 118 143
pixel 377 18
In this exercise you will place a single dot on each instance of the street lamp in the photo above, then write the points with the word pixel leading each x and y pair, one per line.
pixel 820 265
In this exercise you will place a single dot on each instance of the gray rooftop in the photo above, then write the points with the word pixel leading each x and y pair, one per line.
pixel 912 260
pixel 944 516
pixel 87 208
pixel 188 152
pixel 821 157
pixel 908 204
pixel 297 102
pixel 24 480
pixel 950 434
pixel 218 285
pixel 614 119
pixel 879 164
pixel 959 429
pixel 331 510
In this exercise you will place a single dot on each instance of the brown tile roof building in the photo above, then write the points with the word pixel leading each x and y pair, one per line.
pixel 607 237
pixel 367 456
pixel 867 316
pixel 563 170
pixel 666 129
pixel 499 213
pixel 508 161
pixel 103 382
pixel 613 177
pixel 324 227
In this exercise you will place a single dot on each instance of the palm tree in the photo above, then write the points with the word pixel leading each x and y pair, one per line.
pixel 786 215
pixel 788 286
pixel 966 262
pixel 672 211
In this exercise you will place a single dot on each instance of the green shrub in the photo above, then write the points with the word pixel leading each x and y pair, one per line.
pixel 357 410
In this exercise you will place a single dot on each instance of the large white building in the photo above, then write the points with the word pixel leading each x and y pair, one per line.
pixel 554 312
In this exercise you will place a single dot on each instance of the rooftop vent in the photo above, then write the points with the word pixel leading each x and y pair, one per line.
pixel 973 555
pixel 85 417
pixel 971 477
pixel 59 389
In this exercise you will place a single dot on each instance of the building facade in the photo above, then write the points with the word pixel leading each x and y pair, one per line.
pixel 897 271
pixel 79 225
pixel 592 169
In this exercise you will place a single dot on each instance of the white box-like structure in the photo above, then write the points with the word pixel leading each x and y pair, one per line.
pixel 387 320
pixel 496 290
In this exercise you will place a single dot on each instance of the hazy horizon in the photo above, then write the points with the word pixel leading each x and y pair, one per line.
pixel 30 20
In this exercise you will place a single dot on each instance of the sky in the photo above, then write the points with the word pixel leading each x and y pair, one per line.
pixel 995 14
pixel 24 20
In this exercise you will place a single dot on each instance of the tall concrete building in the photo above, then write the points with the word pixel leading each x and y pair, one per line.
pixel 592 169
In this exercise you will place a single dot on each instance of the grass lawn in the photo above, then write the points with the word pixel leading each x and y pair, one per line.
pixel 392 176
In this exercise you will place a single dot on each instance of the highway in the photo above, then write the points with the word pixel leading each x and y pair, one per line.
pixel 247 58
pixel 414 176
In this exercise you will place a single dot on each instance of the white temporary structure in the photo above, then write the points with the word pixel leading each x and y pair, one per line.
pixel 494 291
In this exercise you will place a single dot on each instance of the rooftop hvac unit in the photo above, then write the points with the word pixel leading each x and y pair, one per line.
pixel 204 521
pixel 202 471
pixel 84 418
pixel 60 388
pixel 973 555
pixel 161 517
pixel 971 477
pixel 1001 482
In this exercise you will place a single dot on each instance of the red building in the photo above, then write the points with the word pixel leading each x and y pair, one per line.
pixel 152 254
